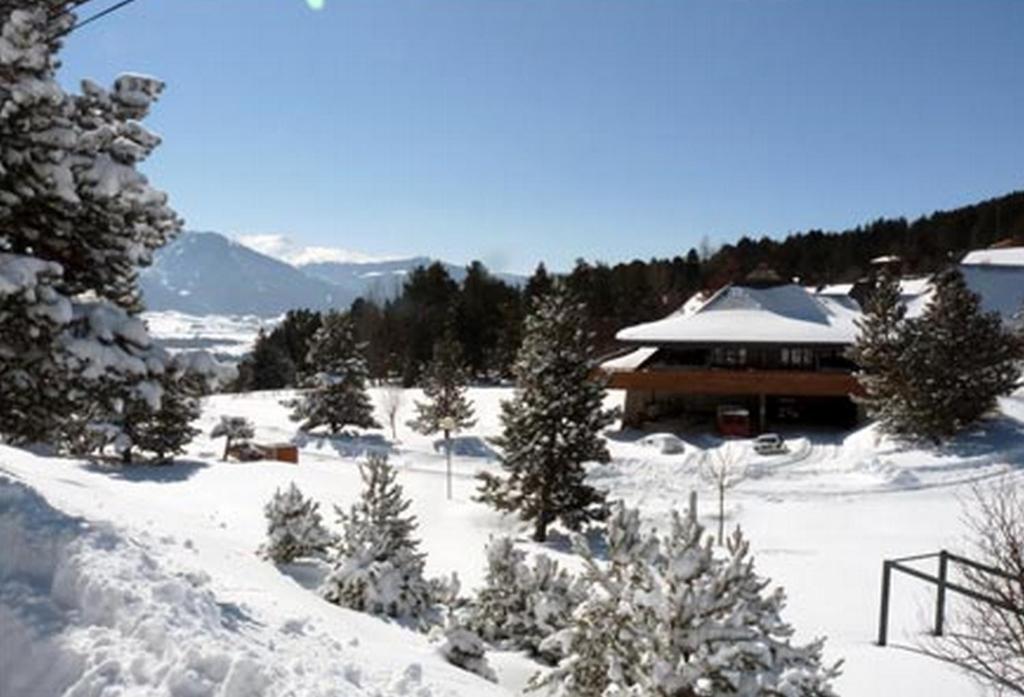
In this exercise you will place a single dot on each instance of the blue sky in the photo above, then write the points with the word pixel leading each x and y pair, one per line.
pixel 516 131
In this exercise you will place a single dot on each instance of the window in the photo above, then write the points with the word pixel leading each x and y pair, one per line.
pixel 797 358
pixel 729 355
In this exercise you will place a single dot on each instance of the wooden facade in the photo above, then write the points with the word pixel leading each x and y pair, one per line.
pixel 715 381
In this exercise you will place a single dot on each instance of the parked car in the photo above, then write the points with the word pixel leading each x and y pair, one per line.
pixel 769 444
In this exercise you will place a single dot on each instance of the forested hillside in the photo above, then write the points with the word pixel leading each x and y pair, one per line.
pixel 486 313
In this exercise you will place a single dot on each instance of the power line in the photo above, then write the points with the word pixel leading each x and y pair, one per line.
pixel 102 13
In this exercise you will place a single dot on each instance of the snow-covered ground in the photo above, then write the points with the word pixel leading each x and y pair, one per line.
pixel 147 577
pixel 229 337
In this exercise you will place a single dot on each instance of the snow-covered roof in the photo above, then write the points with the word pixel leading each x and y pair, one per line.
pixel 741 314
pixel 628 361
pixel 1001 286
pixel 1006 256
pixel 914 287
pixel 834 289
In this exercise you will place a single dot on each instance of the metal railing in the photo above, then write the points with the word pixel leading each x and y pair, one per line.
pixel 942 583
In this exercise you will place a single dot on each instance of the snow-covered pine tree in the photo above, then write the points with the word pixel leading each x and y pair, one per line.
pixel 878 350
pixel 553 424
pixel 957 361
pixel 337 395
pixel 444 386
pixel 377 565
pixel 235 430
pixel 166 431
pixel 519 605
pixel 76 221
pixel 666 617
pixel 294 527
pixel 32 382
pixel 464 649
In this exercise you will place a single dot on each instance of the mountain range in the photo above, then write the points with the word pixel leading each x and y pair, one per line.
pixel 206 273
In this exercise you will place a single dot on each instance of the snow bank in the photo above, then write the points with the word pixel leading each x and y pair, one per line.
pixel 88 611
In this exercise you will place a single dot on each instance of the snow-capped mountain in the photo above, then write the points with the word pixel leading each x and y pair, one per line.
pixel 206 273
pixel 287 250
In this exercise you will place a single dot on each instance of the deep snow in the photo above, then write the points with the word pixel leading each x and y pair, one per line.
pixel 147 578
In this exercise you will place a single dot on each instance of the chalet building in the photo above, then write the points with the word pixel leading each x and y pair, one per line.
pixel 754 355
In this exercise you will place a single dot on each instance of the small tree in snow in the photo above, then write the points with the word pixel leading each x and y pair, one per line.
pixel 987 641
pixel 520 606
pixel 553 424
pixel 723 468
pixel 337 396
pixel 378 567
pixel 391 399
pixel 464 649
pixel 235 430
pixel 294 527
pixel 444 386
pixel 665 617
pixel 167 430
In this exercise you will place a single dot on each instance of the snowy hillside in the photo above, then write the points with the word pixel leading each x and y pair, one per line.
pixel 147 578
pixel 205 273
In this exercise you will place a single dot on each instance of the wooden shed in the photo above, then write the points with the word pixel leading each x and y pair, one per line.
pixel 282 452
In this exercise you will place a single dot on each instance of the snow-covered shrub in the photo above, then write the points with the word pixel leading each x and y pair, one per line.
pixel 294 527
pixel 337 395
pixel 519 606
pixel 665 617
pixel 464 649
pixel 377 566
pixel 553 424
pixel 236 430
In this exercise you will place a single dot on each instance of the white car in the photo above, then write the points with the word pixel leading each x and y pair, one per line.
pixel 769 444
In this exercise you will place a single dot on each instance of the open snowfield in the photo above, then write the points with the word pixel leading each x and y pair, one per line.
pixel 145 580
pixel 229 337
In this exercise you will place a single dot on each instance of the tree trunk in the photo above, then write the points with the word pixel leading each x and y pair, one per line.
pixel 540 529
pixel 721 515
pixel 227 447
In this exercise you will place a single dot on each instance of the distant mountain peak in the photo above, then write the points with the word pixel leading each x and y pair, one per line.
pixel 286 249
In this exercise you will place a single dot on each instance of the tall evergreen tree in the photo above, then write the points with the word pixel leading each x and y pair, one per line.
pixel 337 396
pixel 553 424
pixel 77 220
pixel 444 386
pixel 957 359
pixel 878 350
pixel 267 367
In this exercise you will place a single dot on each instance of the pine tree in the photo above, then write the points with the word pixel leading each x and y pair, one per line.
pixel 553 424
pixel 520 606
pixel 166 430
pixel 268 367
pixel 235 430
pixel 294 527
pixel 444 386
pixel 464 649
pixel 957 361
pixel 378 567
pixel 878 350
pixel 337 396
pixel 666 617
pixel 77 219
